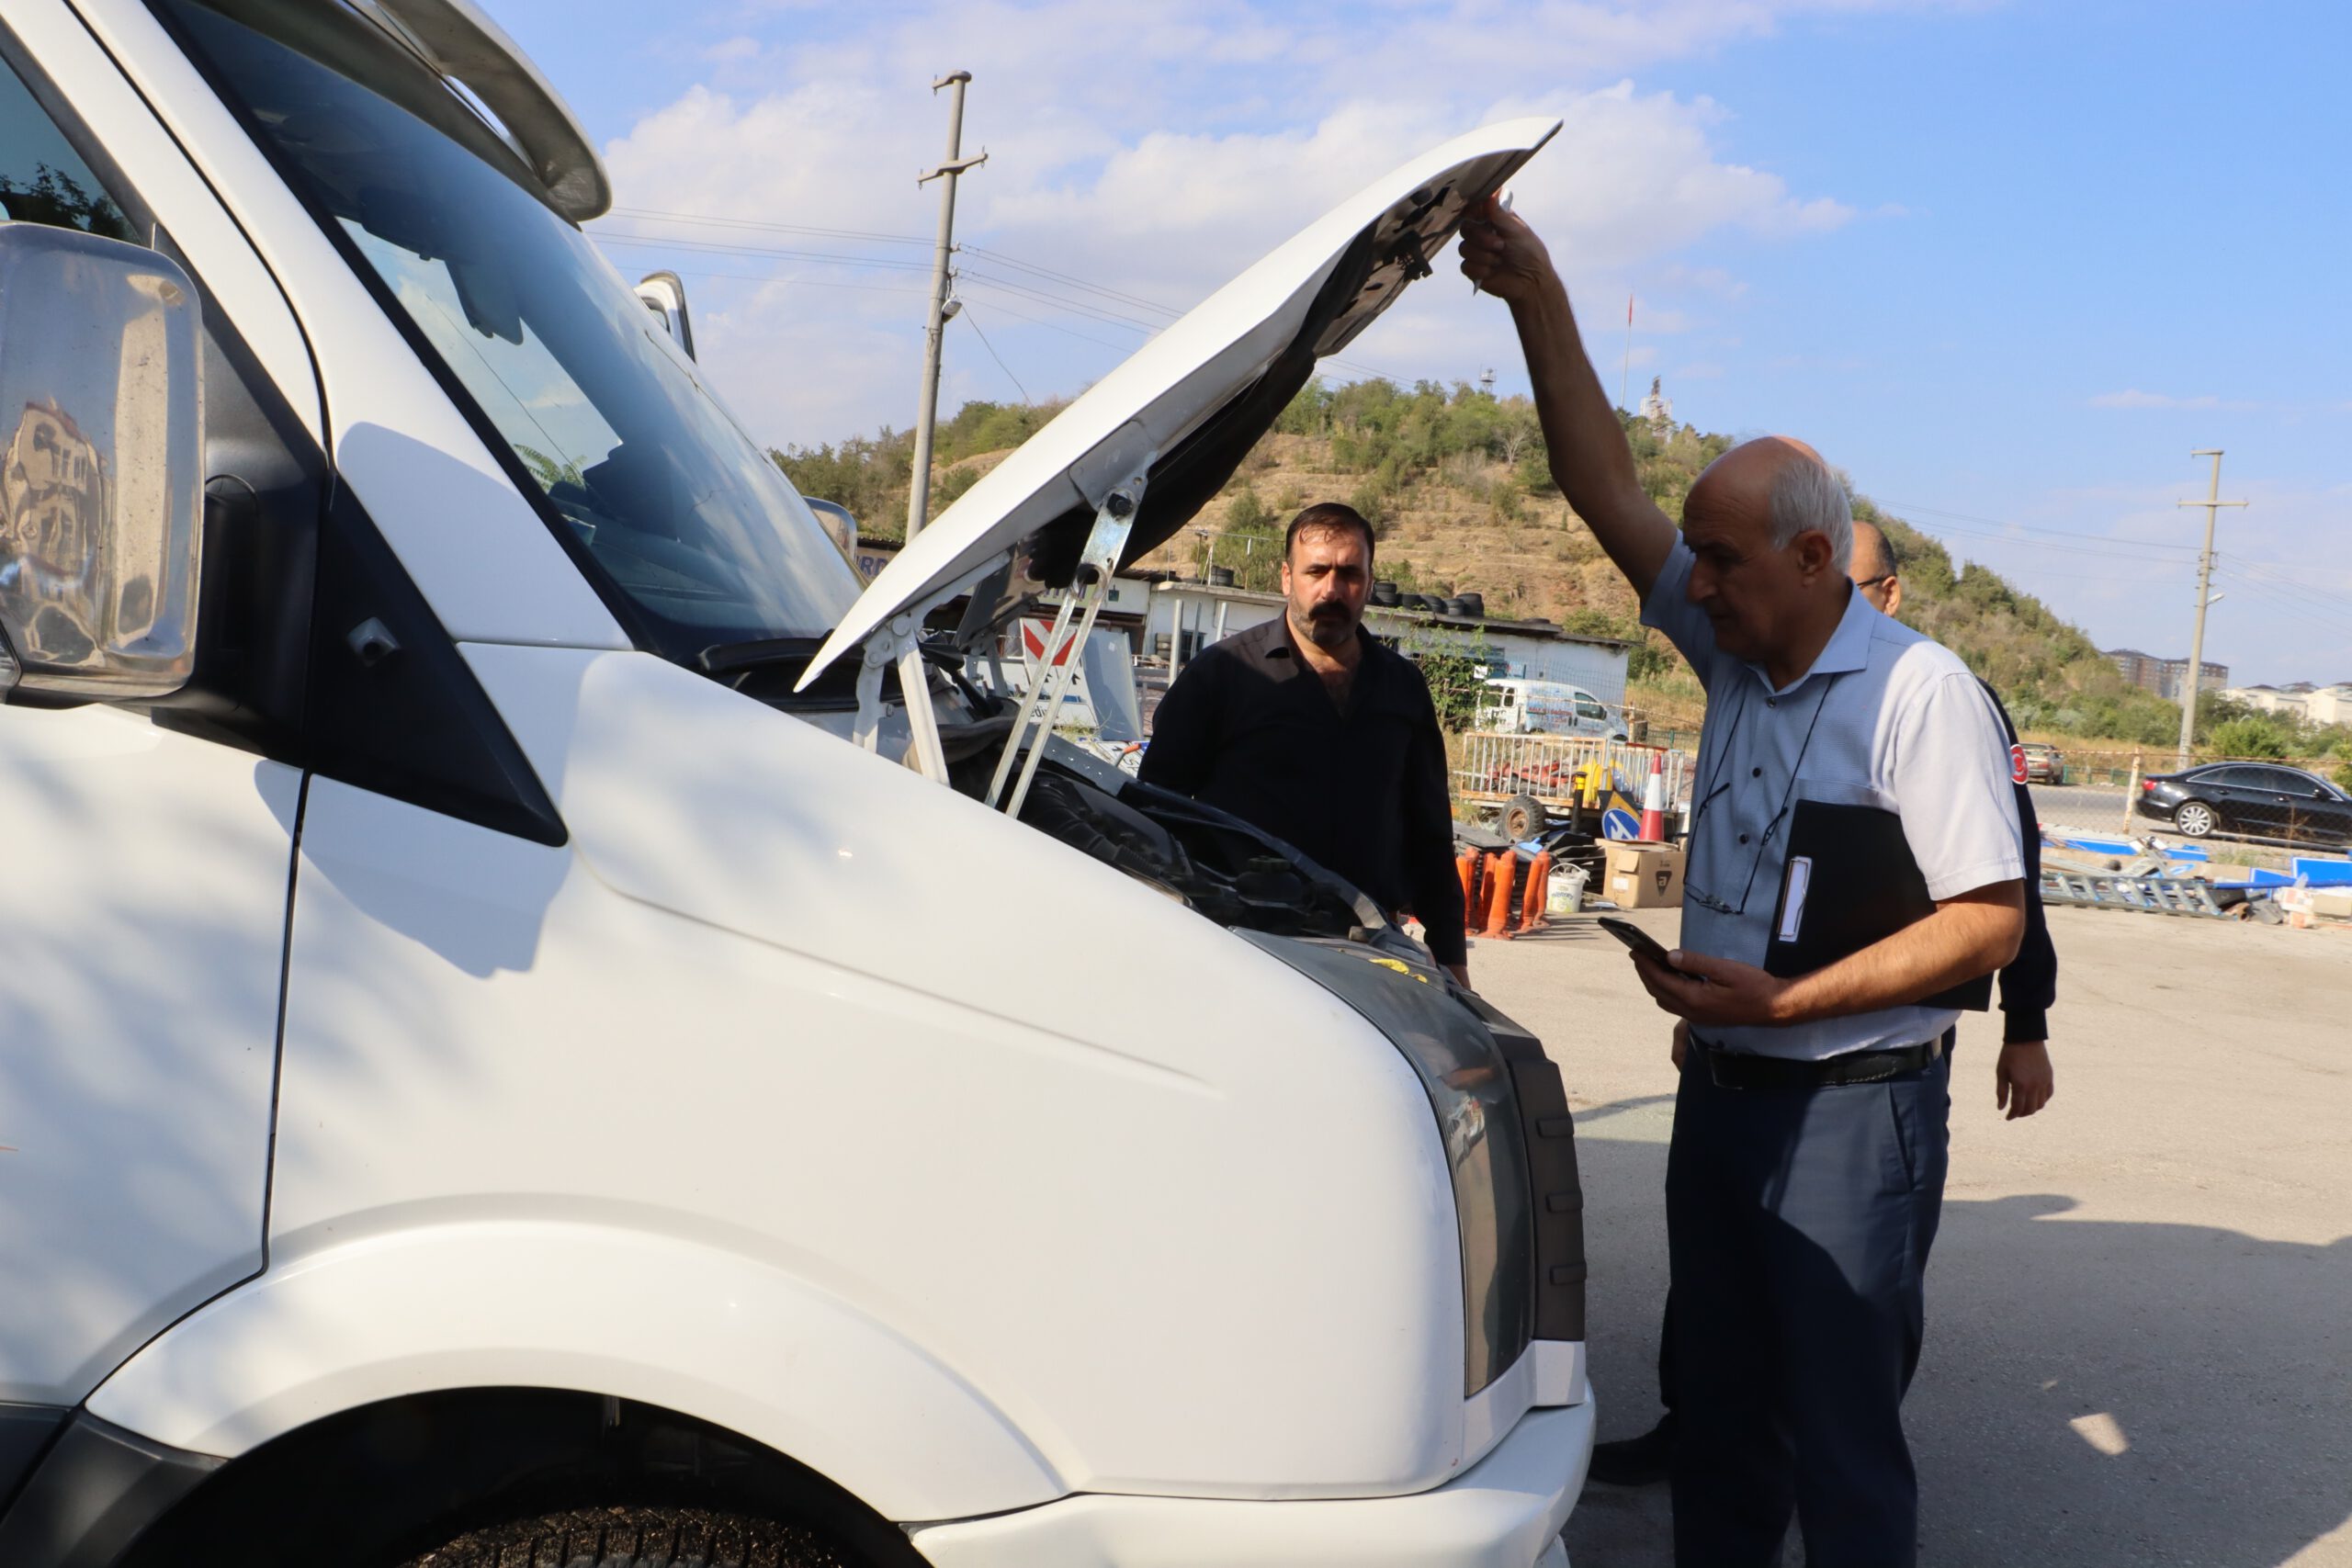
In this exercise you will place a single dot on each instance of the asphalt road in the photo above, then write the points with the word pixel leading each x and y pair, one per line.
pixel 2078 808
pixel 2140 1309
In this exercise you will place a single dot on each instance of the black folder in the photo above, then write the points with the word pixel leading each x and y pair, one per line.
pixel 1856 885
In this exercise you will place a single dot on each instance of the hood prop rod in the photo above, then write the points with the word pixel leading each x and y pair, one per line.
pixel 898 640
pixel 1096 563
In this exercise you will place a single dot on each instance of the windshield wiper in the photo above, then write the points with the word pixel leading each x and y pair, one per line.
pixel 768 667
pixel 756 653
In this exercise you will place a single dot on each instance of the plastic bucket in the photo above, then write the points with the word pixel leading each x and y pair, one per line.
pixel 1564 894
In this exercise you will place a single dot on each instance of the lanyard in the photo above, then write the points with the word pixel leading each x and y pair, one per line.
pixel 1764 841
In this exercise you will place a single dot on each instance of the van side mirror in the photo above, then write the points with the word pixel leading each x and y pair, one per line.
pixel 838 521
pixel 101 466
pixel 664 294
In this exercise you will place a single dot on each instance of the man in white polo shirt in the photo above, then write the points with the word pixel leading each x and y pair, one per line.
pixel 1855 876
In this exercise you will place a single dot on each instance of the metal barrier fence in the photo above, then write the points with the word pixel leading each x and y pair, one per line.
pixel 2113 767
pixel 1495 767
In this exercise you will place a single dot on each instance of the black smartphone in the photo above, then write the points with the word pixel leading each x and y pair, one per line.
pixel 1640 940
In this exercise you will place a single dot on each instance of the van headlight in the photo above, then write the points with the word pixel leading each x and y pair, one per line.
pixel 1469 1086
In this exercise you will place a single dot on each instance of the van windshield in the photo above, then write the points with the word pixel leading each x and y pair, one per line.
pixel 694 537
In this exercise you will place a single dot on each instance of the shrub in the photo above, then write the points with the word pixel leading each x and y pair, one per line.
pixel 1247 514
pixel 2250 736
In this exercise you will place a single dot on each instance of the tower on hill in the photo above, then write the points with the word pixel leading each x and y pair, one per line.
pixel 1658 408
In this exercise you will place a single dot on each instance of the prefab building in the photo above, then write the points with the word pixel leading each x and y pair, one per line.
pixel 1187 616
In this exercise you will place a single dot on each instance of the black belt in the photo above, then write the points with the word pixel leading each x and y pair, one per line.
pixel 1733 1069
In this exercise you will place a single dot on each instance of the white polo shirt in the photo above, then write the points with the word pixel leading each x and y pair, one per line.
pixel 1884 717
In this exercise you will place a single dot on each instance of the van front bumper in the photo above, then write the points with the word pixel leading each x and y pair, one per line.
pixel 1504 1512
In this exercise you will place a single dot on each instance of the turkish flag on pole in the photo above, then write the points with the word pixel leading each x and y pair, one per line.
pixel 1629 310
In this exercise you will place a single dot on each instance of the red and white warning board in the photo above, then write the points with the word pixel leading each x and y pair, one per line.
pixel 1034 633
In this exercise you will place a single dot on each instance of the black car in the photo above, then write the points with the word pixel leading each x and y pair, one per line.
pixel 2249 800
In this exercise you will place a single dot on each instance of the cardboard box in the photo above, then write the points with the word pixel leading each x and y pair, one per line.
pixel 1637 876
pixel 2335 903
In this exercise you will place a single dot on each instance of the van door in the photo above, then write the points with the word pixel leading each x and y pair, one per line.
pixel 1592 716
pixel 144 898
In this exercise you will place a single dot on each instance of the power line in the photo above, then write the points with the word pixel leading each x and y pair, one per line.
pixel 1005 309
pixel 2323 620
pixel 2332 616
pixel 712 247
pixel 794 282
pixel 1077 307
pixel 2268 571
pixel 974 322
pixel 771 228
pixel 1075 282
pixel 2034 528
pixel 1942 532
pixel 1086 310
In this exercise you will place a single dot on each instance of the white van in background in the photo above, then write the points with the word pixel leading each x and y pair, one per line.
pixel 1514 706
pixel 502 1060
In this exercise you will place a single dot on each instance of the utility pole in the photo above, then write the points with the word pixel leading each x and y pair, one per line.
pixel 927 412
pixel 2212 504
pixel 1625 367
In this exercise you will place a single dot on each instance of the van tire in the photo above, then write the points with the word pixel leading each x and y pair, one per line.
pixel 1523 817
pixel 621 1536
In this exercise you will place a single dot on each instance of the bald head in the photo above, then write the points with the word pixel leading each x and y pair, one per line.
pixel 1783 481
pixel 1769 534
pixel 1874 569
pixel 1873 552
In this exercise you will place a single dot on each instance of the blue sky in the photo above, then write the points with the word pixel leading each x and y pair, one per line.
pixel 2005 264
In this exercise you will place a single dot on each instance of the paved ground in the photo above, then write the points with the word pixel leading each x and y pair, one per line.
pixel 2139 1311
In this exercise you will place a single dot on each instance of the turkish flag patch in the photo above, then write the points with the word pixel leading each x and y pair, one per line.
pixel 2016 764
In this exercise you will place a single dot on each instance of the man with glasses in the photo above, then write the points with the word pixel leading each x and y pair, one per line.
pixel 1855 874
pixel 2022 1079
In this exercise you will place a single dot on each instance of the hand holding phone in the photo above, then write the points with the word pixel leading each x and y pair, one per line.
pixel 1641 942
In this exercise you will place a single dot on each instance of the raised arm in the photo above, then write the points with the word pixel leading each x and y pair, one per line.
pixel 1590 461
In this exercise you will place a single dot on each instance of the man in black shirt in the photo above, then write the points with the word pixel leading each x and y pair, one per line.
pixel 1316 732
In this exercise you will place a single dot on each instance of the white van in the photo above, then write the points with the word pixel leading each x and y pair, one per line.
pixel 1516 707
pixel 501 1060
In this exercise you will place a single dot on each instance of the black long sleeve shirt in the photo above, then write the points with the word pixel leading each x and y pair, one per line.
pixel 1248 727
pixel 2030 985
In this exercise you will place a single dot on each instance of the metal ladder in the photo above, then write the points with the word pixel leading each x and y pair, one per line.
pixel 2149 895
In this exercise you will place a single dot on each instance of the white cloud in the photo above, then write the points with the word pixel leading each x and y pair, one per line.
pixel 2132 398
pixel 1154 158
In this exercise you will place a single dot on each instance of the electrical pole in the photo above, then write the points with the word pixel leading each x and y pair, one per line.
pixel 1627 367
pixel 927 412
pixel 2212 504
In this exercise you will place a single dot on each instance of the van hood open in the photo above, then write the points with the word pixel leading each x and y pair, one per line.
pixel 1192 401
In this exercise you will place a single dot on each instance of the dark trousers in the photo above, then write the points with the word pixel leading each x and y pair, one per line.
pixel 1798 1226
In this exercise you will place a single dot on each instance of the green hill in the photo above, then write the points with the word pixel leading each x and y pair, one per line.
pixel 1457 487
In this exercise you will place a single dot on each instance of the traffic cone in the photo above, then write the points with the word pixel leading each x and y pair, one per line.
pixel 1466 866
pixel 1531 912
pixel 1653 801
pixel 1499 875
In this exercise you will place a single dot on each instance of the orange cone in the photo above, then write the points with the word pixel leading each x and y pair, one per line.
pixel 1466 866
pixel 1498 868
pixel 1653 801
pixel 1531 912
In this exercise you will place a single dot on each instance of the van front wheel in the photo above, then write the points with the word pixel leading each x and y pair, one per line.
pixel 639 1538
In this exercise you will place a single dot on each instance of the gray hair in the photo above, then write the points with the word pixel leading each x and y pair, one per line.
pixel 1808 497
